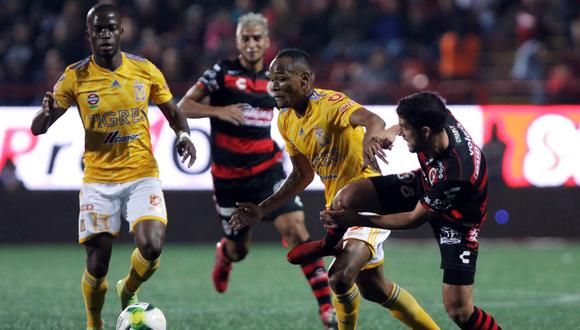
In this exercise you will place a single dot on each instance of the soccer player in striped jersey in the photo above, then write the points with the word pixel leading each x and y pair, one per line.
pixel 449 191
pixel 325 134
pixel 111 90
pixel 247 163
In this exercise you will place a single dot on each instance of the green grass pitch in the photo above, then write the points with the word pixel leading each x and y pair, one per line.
pixel 525 286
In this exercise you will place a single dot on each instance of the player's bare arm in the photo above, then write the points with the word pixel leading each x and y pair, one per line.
pixel 344 218
pixel 371 146
pixel 248 214
pixel 47 115
pixel 178 123
pixel 191 105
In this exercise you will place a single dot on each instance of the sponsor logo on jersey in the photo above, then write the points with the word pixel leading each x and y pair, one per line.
pixel 346 106
pixel 449 236
pixel 87 207
pixel 115 84
pixel 241 84
pixel 113 137
pixel 93 100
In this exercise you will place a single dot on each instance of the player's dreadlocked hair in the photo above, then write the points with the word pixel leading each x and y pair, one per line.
pixel 297 56
pixel 252 19
pixel 424 109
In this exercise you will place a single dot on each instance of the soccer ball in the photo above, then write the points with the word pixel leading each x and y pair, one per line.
pixel 141 316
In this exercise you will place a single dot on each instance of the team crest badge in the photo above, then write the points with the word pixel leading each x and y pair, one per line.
pixel 321 137
pixel 139 91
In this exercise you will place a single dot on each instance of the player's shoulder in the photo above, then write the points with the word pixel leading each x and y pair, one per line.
pixel 138 62
pixel 81 65
pixel 327 97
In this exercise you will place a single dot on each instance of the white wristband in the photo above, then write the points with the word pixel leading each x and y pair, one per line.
pixel 183 135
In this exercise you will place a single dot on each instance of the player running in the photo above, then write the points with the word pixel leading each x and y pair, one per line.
pixel 112 90
pixel 324 134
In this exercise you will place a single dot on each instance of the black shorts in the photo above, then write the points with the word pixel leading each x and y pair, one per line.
pixel 457 243
pixel 252 189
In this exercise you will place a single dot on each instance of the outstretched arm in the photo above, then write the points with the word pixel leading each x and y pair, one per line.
pixel 178 123
pixel 397 221
pixel 247 214
pixel 47 115
pixel 192 107
pixel 371 147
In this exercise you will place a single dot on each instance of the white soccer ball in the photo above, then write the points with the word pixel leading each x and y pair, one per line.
pixel 141 316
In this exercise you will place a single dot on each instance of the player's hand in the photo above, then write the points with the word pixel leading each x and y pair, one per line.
pixel 47 104
pixel 343 218
pixel 186 149
pixel 245 215
pixel 387 137
pixel 371 150
pixel 233 113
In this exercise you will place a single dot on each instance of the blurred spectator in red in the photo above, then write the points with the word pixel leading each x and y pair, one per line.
pixel 563 85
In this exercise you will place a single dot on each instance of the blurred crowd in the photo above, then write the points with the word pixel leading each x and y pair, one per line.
pixel 473 51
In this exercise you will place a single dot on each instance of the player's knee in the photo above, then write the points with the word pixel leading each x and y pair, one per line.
pixel 151 249
pixel 238 254
pixel 458 313
pixel 342 279
pixel 296 234
pixel 97 268
pixel 345 199
pixel 376 296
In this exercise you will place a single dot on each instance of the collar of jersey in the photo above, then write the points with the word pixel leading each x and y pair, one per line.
pixel 100 68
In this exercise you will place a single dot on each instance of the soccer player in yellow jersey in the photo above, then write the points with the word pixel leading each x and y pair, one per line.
pixel 324 134
pixel 112 90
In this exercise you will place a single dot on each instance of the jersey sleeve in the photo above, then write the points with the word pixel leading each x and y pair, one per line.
pixel 210 80
pixel 63 90
pixel 340 107
pixel 290 147
pixel 160 92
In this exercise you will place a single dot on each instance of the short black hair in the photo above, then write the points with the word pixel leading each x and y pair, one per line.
pixel 297 56
pixel 424 109
pixel 102 8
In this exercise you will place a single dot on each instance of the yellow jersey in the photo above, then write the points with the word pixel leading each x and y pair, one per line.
pixel 113 108
pixel 326 137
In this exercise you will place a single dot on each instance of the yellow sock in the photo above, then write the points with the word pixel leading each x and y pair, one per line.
pixel 141 271
pixel 346 306
pixel 405 308
pixel 94 290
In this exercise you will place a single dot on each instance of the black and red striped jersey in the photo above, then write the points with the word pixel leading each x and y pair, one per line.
pixel 248 149
pixel 455 182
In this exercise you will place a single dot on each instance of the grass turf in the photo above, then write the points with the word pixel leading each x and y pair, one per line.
pixel 525 286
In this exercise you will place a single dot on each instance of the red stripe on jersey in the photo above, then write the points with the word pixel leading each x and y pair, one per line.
pixel 243 145
pixel 226 172
pixel 246 84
